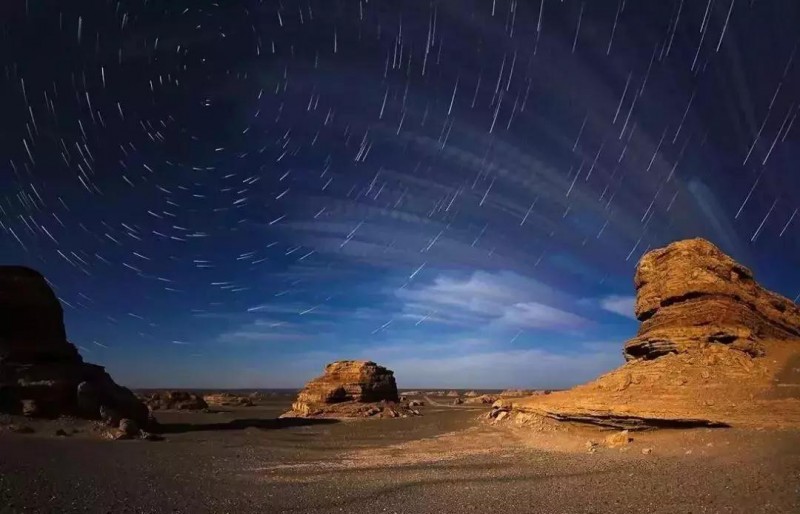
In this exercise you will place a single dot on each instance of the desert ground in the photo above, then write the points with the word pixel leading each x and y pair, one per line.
pixel 450 459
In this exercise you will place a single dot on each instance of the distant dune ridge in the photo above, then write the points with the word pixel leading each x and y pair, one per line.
pixel 41 373
pixel 713 348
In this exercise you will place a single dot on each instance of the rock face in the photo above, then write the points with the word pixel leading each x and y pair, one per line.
pixel 714 348
pixel 344 384
pixel 41 373
pixel 690 294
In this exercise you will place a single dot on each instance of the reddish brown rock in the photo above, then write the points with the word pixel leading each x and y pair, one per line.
pixel 174 400
pixel 41 373
pixel 690 294
pixel 713 349
pixel 344 388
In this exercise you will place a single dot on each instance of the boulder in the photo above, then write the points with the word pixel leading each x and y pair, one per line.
pixel 41 373
pixel 345 389
pixel 714 349
pixel 502 404
pixel 129 428
pixel 618 439
pixel 175 400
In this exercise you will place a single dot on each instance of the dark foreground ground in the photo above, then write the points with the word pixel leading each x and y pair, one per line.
pixel 445 461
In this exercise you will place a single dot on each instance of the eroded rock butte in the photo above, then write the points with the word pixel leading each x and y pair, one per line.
pixel 351 389
pixel 714 349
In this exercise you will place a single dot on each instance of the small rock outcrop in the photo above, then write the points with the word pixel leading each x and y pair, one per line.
pixel 349 389
pixel 515 393
pixel 41 373
pixel 174 400
pixel 484 399
pixel 229 400
pixel 714 349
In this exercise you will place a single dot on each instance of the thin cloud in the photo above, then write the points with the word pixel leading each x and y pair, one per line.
pixel 622 305
pixel 502 300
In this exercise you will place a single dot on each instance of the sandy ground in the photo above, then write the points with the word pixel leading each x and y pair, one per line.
pixel 242 461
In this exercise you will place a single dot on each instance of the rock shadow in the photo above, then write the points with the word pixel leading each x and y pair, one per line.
pixel 241 424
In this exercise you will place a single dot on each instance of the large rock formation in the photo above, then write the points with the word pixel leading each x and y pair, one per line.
pixel 347 388
pixel 714 348
pixel 41 373
pixel 690 293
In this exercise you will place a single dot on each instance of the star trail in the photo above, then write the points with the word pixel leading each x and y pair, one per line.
pixel 465 186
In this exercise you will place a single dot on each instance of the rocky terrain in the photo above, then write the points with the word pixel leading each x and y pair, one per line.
pixel 230 400
pixel 174 400
pixel 534 451
pixel 714 349
pixel 41 373
pixel 351 389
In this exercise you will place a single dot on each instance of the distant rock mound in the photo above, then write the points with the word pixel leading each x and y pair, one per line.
pixel 484 399
pixel 714 348
pixel 512 393
pixel 41 373
pixel 230 400
pixel 174 400
pixel 349 389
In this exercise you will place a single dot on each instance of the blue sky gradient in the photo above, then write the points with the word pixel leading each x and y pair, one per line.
pixel 234 195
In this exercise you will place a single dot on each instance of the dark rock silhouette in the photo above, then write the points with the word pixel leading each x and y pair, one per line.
pixel 41 373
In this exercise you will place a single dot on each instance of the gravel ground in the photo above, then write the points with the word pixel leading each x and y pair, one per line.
pixel 442 462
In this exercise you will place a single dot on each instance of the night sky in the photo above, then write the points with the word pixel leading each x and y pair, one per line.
pixel 233 194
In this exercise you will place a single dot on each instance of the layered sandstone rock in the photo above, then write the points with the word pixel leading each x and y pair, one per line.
pixel 348 389
pixel 713 349
pixel 41 373
pixel 690 294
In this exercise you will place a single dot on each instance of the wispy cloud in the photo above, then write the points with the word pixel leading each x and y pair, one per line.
pixel 622 305
pixel 264 331
pixel 502 300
